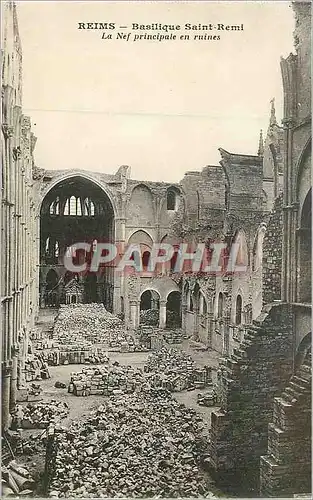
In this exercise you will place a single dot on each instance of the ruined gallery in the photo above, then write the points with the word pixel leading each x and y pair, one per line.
pixel 189 383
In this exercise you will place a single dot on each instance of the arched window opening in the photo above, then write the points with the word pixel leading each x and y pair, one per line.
pixel 220 305
pixel 174 260
pixel 92 208
pixel 242 250
pixel 47 248
pixel 73 202
pixel 56 249
pixel 94 245
pixel 79 207
pixel 67 208
pixel 238 315
pixel 73 299
pixel 171 200
pixel 145 259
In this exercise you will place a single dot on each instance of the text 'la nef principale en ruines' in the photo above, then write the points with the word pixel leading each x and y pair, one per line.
pixel 160 31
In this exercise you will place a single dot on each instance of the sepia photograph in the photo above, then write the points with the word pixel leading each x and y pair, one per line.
pixel 156 220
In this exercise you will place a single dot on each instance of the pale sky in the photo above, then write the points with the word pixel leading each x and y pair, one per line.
pixel 162 108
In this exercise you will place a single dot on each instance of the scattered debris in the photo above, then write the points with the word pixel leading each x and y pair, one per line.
pixel 207 399
pixel 132 446
pixel 176 370
pixel 38 415
pixel 60 385
pixel 16 480
pixel 36 367
pixel 106 380
pixel 149 317
pixel 84 325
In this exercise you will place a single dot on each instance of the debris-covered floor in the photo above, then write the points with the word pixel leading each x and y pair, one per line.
pixel 160 434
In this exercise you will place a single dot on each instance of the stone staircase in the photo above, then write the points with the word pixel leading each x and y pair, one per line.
pixel 286 469
pixel 257 371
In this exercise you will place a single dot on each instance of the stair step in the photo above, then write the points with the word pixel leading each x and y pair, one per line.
pixel 297 387
pixel 305 372
pixel 289 398
pixel 302 381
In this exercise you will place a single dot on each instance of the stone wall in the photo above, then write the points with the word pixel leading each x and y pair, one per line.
pixel 249 380
pixel 272 255
pixel 286 469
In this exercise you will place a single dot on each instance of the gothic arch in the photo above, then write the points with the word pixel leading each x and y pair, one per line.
pixel 243 250
pixel 303 163
pixel 140 237
pixel 82 175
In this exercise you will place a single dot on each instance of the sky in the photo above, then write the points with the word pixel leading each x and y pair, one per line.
pixel 161 107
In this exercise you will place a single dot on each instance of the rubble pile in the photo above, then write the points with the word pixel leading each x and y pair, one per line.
pixel 106 380
pixel 177 370
pixel 149 317
pixel 84 325
pixel 38 415
pixel 139 445
pixel 174 336
pixel 36 367
pixel 71 355
pixel 209 398
pixel 30 393
pixel 16 480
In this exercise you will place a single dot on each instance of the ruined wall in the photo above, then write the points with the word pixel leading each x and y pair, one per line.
pixel 19 230
pixel 250 379
pixel 272 255
pixel 286 469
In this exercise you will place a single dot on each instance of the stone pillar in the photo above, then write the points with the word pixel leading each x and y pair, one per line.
pixel 6 379
pixel 42 295
pixel 209 328
pixel 162 314
pixel 226 328
pixel 183 318
pixel 134 316
pixel 21 381
pixel 196 323
pixel 13 381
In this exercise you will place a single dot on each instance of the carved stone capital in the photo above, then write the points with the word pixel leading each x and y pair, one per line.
pixel 6 368
pixel 8 130
pixel 15 350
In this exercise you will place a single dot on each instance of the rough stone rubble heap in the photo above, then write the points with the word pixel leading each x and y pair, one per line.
pixel 167 368
pixel 39 415
pixel 177 370
pixel 132 446
pixel 84 325
pixel 106 380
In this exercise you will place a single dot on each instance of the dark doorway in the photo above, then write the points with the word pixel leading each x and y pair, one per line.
pixel 173 310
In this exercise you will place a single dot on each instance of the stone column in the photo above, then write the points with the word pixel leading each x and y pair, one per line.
pixel 6 379
pixel 21 381
pixel 13 381
pixel 209 328
pixel 134 316
pixel 196 323
pixel 183 318
pixel 226 323
pixel 162 314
